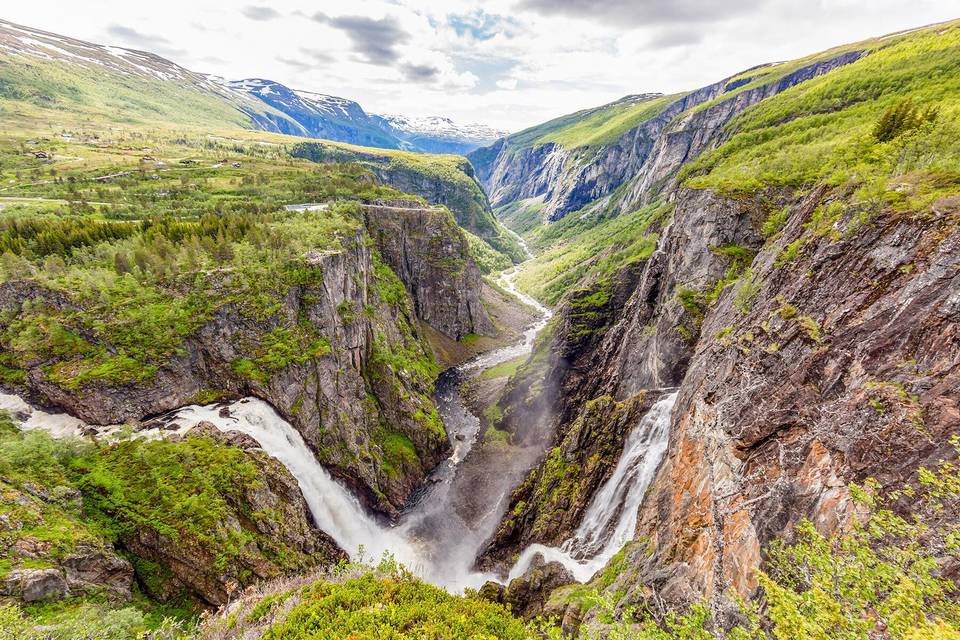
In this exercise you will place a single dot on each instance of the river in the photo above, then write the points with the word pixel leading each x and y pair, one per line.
pixel 441 532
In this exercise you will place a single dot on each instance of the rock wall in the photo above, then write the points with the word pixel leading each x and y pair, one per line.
pixel 645 158
pixel 430 255
pixel 822 364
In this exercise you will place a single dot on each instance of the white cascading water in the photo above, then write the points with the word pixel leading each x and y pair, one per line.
pixel 431 540
pixel 611 518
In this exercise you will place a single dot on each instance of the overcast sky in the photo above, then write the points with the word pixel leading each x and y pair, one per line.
pixel 507 63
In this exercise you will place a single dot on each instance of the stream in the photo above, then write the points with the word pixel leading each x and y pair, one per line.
pixel 442 530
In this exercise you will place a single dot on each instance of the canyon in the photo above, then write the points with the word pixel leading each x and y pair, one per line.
pixel 624 356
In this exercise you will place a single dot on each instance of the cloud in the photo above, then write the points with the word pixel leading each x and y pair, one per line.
pixel 674 37
pixel 481 25
pixel 145 41
pixel 637 13
pixel 375 40
pixel 311 59
pixel 260 13
pixel 420 72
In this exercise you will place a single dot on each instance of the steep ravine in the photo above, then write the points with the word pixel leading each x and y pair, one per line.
pixel 433 536
pixel 833 356
pixel 362 403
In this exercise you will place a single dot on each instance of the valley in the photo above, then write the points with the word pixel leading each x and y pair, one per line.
pixel 677 366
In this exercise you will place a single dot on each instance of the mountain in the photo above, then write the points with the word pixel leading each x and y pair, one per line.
pixel 439 135
pixel 318 115
pixel 342 120
pixel 775 257
pixel 143 83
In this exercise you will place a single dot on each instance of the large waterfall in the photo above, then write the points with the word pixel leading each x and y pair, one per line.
pixel 609 521
pixel 432 539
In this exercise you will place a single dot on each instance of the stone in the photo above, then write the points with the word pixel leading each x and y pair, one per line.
pixel 99 569
pixel 34 585
pixel 528 594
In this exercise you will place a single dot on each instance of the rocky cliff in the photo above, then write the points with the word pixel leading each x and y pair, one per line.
pixel 441 180
pixel 123 519
pixel 817 357
pixel 430 255
pixel 641 163
pixel 360 395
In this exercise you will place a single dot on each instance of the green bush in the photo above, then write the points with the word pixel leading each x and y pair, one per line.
pixel 391 604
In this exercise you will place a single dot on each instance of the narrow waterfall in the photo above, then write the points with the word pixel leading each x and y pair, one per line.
pixel 609 521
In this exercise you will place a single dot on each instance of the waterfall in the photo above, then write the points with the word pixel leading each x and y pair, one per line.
pixel 611 518
pixel 335 510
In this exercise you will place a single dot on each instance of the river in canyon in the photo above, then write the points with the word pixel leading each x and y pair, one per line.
pixel 439 535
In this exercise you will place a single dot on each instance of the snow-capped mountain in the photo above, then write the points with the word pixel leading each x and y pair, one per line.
pixel 263 104
pixel 335 118
pixel 320 116
pixel 438 134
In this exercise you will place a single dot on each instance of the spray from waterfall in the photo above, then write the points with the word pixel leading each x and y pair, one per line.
pixel 611 518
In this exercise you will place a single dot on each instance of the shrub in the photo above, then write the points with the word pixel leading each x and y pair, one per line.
pixel 902 117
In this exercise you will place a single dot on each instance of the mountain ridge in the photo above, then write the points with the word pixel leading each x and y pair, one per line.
pixel 269 105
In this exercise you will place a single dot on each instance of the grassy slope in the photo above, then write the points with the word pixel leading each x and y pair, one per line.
pixel 592 127
pixel 578 247
pixel 821 130
pixel 34 89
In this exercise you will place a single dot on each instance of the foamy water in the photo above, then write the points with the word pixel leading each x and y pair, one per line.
pixel 611 518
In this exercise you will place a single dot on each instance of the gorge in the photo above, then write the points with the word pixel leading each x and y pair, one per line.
pixel 678 364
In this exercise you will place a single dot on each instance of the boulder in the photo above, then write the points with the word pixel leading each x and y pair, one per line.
pixel 528 594
pixel 34 585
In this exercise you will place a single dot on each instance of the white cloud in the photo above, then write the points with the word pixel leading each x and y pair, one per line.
pixel 508 63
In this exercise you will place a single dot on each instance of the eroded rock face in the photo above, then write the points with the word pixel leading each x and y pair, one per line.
pixel 845 366
pixel 646 158
pixel 431 257
pixel 802 376
pixel 342 402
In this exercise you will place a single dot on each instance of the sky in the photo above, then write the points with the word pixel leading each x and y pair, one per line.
pixel 505 63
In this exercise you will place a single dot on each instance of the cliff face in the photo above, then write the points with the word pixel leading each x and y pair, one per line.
pixel 91 529
pixel 832 356
pixel 368 382
pixel 645 158
pixel 428 253
pixel 272 510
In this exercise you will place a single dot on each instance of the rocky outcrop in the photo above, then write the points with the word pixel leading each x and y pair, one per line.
pixel 430 255
pixel 617 344
pixel 834 356
pixel 285 537
pixel 527 595
pixel 450 182
pixel 369 380
pixel 50 552
pixel 645 158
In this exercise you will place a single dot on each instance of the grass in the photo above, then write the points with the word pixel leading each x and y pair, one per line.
pixel 822 130
pixel 593 127
pixel 607 124
pixel 581 246
pixel 503 370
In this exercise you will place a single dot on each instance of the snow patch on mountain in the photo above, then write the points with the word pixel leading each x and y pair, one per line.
pixel 441 127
